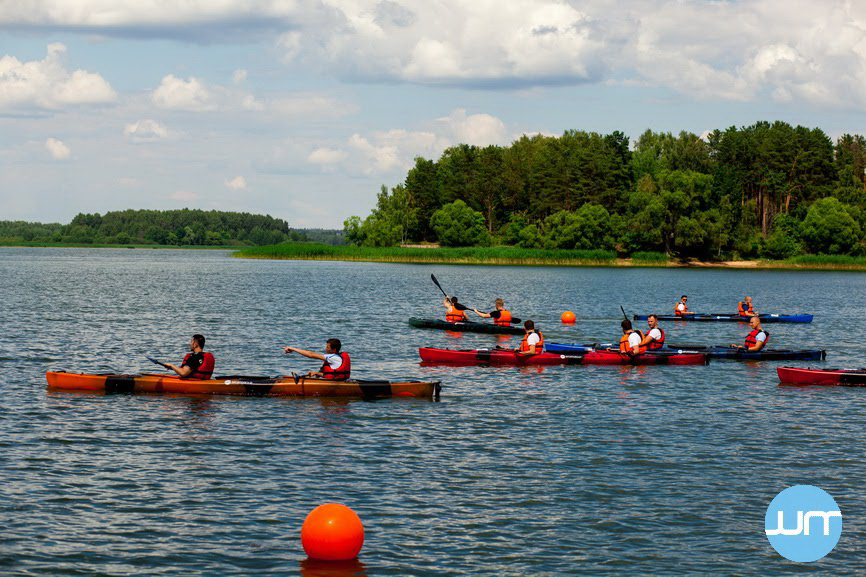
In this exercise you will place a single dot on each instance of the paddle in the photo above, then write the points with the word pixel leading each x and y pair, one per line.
pixel 623 312
pixel 153 360
pixel 460 307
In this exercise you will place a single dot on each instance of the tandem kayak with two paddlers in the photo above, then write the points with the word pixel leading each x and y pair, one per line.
pixel 594 357
pixel 286 386
pixel 466 327
pixel 713 352
pixel 734 317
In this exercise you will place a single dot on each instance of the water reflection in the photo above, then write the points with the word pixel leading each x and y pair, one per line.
pixel 315 568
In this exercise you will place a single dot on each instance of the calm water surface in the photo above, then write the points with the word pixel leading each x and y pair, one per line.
pixel 560 471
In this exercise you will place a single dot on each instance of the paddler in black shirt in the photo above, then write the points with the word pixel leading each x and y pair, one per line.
pixel 197 364
pixel 500 315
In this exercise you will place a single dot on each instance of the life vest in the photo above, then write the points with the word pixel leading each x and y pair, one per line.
pixel 205 369
pixel 453 315
pixel 340 374
pixel 525 346
pixel 679 312
pixel 659 343
pixel 752 338
pixel 504 319
pixel 743 308
pixel 624 347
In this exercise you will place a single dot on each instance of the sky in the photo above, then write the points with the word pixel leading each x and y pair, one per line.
pixel 303 109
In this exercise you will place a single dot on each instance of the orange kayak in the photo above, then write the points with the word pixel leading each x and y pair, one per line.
pixel 288 386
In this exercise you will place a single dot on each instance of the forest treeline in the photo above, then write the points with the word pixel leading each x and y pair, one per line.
pixel 186 227
pixel 769 190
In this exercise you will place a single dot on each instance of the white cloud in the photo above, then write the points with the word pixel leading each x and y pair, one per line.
pixel 57 149
pixel 145 131
pixel 476 129
pixel 178 94
pixel 47 84
pixel 239 76
pixel 326 156
pixel 237 183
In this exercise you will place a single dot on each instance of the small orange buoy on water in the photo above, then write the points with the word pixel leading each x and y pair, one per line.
pixel 332 532
pixel 568 317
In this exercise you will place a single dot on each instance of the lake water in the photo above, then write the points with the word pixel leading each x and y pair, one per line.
pixel 515 472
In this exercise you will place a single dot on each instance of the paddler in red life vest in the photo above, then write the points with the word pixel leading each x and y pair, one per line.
pixel 501 316
pixel 745 308
pixel 630 343
pixel 197 364
pixel 755 340
pixel 533 340
pixel 682 308
pixel 654 338
pixel 336 365
pixel 454 312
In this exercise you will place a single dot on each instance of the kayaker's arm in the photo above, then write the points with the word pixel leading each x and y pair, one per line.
pixel 308 354
pixel 182 372
pixel 482 315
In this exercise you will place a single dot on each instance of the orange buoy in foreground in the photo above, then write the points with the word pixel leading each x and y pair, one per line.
pixel 568 317
pixel 332 532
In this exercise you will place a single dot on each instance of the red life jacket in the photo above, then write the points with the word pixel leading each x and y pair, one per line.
pixel 504 319
pixel 659 343
pixel 744 308
pixel 624 347
pixel 453 315
pixel 340 374
pixel 525 346
pixel 205 370
pixel 677 310
pixel 752 338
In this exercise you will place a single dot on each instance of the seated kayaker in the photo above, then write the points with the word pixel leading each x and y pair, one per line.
pixel 500 315
pixel 197 364
pixel 682 308
pixel 654 338
pixel 454 312
pixel 745 308
pixel 756 339
pixel 533 340
pixel 336 365
pixel 630 342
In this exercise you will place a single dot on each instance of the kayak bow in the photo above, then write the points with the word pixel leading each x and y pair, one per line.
pixel 465 327
pixel 711 317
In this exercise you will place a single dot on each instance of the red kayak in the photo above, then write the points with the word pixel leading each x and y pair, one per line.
pixel 845 377
pixel 598 357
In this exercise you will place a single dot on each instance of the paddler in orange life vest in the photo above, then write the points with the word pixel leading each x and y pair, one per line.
pixel 630 343
pixel 197 364
pixel 454 312
pixel 501 316
pixel 533 340
pixel 336 365
pixel 654 338
pixel 682 308
pixel 755 340
pixel 745 308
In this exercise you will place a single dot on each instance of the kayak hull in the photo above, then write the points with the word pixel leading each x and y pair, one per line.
pixel 467 327
pixel 595 357
pixel 241 386
pixel 718 352
pixel 725 317
pixel 564 349
pixel 823 377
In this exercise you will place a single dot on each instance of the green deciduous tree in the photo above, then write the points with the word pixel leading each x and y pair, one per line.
pixel 456 224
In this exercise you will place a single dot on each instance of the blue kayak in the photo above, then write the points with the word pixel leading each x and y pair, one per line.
pixel 711 352
pixel 733 317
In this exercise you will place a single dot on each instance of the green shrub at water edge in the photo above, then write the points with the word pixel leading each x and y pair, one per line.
pixel 650 256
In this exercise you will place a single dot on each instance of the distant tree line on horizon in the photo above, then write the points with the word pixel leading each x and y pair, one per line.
pixel 185 227
pixel 769 190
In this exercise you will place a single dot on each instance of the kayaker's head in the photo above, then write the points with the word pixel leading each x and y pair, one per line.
pixel 755 322
pixel 626 325
pixel 500 304
pixel 450 301
pixel 684 298
pixel 333 346
pixel 528 326
pixel 196 343
pixel 747 300
pixel 652 321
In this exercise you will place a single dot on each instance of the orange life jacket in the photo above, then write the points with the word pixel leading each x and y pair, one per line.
pixel 504 319
pixel 452 315
pixel 679 312
pixel 659 343
pixel 624 347
pixel 205 370
pixel 752 338
pixel 340 374
pixel 525 346
pixel 743 309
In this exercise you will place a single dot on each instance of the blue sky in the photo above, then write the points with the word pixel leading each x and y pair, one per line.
pixel 302 109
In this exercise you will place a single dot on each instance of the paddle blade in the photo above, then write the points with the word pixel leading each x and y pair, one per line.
pixel 516 321
pixel 436 282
